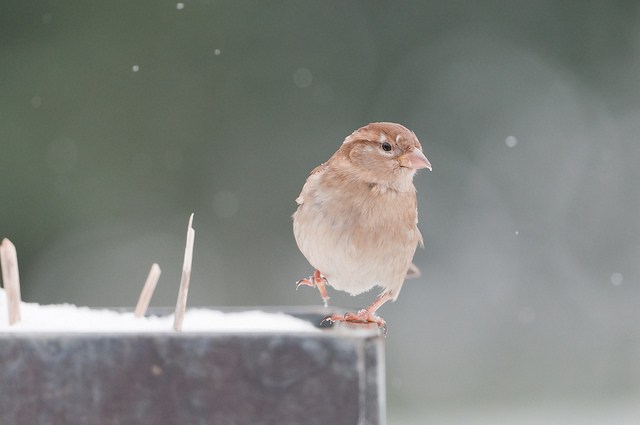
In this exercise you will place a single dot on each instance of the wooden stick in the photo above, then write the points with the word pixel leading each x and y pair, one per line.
pixel 11 279
pixel 183 292
pixel 147 290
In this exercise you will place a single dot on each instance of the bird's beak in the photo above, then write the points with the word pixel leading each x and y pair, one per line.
pixel 414 159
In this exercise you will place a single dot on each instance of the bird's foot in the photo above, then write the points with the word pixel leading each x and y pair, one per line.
pixel 307 281
pixel 362 316
pixel 316 281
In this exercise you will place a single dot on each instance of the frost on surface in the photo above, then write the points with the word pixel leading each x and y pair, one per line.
pixel 71 318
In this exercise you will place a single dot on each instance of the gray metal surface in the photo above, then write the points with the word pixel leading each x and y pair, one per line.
pixel 332 377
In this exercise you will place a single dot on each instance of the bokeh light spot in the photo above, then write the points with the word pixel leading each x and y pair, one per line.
pixel 225 204
pixel 36 101
pixel 302 77
pixel 526 315
pixel 616 278
pixel 511 141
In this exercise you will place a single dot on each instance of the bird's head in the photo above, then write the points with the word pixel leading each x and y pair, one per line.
pixel 384 153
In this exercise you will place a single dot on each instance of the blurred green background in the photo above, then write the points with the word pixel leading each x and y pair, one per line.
pixel 118 119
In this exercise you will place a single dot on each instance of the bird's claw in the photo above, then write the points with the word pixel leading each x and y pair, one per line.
pixel 305 282
pixel 316 281
pixel 362 317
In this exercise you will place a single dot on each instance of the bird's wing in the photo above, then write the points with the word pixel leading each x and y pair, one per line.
pixel 319 169
pixel 413 272
pixel 313 176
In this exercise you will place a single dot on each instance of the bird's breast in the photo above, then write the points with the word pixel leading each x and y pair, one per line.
pixel 358 236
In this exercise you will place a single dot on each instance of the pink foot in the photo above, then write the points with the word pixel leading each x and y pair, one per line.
pixel 363 316
pixel 316 281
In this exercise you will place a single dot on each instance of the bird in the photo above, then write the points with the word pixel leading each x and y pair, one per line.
pixel 356 220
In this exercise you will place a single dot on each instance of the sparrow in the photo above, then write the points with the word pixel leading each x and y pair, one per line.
pixel 356 220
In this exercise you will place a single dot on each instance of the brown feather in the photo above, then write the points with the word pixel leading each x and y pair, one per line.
pixel 357 217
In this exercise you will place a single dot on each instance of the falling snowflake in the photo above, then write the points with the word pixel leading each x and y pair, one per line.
pixel 511 141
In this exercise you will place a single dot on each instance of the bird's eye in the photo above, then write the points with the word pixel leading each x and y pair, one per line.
pixel 386 146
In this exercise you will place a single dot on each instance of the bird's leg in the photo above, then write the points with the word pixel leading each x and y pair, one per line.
pixel 316 281
pixel 366 315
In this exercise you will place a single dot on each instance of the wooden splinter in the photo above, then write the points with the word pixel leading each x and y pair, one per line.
pixel 11 279
pixel 183 292
pixel 147 290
